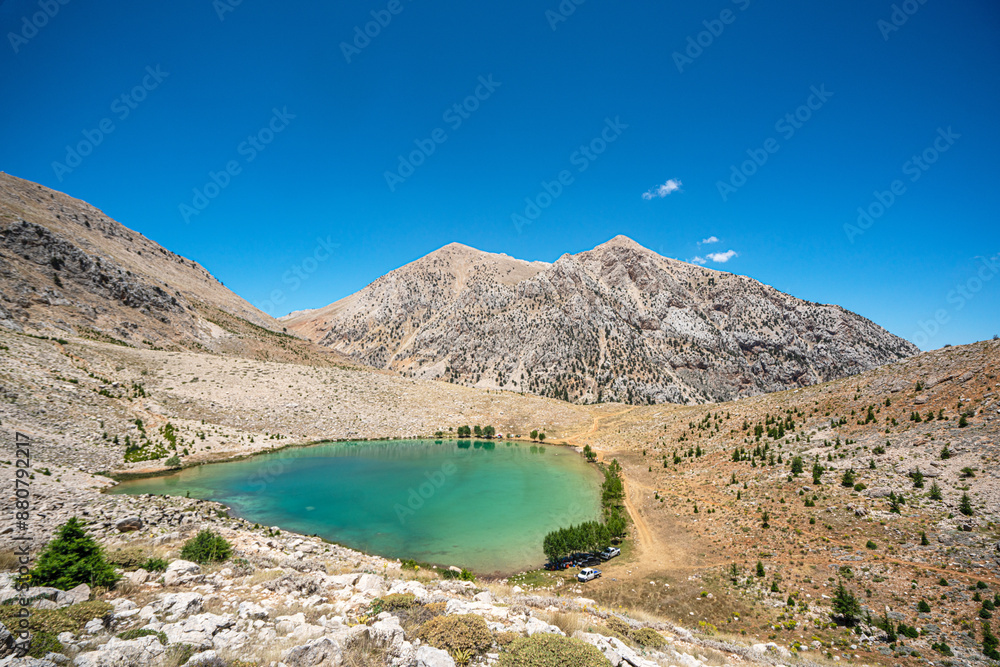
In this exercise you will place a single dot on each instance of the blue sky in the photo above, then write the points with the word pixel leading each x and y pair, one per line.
pixel 832 100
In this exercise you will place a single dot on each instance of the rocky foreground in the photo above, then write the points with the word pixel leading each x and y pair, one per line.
pixel 292 600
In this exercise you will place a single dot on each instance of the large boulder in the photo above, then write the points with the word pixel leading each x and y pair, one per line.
pixel 317 652
pixel 538 625
pixel 73 596
pixel 428 656
pixel 129 524
pixel 204 659
pixel 387 631
pixel 123 653
pixel 370 583
pixel 196 631
pixel 251 610
pixel 180 571
pixel 6 642
pixel 180 604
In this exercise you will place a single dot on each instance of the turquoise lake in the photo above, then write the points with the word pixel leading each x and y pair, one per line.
pixel 482 505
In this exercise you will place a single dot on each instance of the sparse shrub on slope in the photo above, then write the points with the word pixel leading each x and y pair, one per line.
pixel 206 547
pixel 458 632
pixel 43 643
pixel 548 650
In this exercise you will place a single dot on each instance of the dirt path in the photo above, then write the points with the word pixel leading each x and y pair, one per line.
pixel 594 427
pixel 651 550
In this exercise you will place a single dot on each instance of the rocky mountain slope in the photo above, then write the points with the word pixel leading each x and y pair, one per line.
pixel 67 269
pixel 616 323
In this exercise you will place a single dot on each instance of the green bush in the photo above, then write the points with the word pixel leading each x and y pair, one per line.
pixel 44 642
pixel 393 602
pixel 464 575
pixel 548 650
pixel 648 637
pixel 155 565
pixel 71 559
pixel 206 547
pixel 135 633
pixel 457 632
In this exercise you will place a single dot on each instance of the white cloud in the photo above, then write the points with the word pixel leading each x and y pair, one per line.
pixel 717 257
pixel 722 257
pixel 710 239
pixel 661 191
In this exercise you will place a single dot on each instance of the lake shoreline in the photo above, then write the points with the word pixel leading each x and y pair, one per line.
pixel 382 505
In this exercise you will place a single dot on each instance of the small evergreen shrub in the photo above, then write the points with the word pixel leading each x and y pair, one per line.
pixel 548 650
pixel 71 559
pixel 206 547
pixel 155 565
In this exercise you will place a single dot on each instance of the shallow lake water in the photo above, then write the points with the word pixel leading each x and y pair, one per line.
pixel 484 505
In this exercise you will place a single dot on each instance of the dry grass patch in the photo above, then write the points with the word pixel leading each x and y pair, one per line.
pixel 567 621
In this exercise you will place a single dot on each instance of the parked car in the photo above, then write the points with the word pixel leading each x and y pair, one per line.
pixel 610 553
pixel 587 560
pixel 587 574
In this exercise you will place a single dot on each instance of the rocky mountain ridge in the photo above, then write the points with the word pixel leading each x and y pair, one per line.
pixel 67 269
pixel 616 323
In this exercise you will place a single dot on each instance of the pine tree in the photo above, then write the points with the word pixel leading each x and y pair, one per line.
pixel 848 479
pixel 71 559
pixel 797 466
pixel 965 506
pixel 990 642
pixel 817 473
pixel 760 569
pixel 845 604
pixel 935 493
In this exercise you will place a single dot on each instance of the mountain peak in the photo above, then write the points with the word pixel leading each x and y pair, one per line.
pixel 622 241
